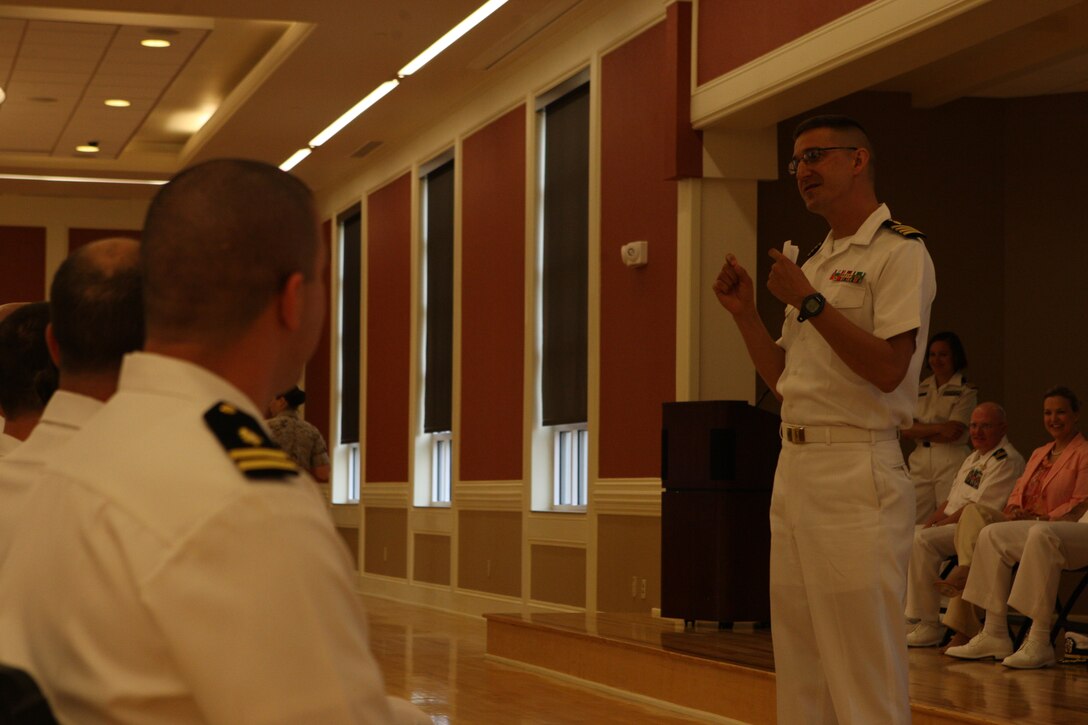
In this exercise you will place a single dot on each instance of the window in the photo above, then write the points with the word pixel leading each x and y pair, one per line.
pixel 441 467
pixel 436 231
pixel 563 269
pixel 570 465
pixel 346 489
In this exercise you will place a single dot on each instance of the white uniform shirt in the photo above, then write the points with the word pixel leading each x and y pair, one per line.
pixel 986 479
pixel 65 414
pixel 953 401
pixel 884 283
pixel 8 444
pixel 178 590
pixel 62 417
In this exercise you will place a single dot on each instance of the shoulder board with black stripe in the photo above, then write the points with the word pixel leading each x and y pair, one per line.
pixel 256 455
pixel 1000 454
pixel 953 392
pixel 903 229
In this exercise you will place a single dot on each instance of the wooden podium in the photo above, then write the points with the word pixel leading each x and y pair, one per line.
pixel 717 469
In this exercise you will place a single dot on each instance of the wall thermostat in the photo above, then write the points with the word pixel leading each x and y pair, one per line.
pixel 635 254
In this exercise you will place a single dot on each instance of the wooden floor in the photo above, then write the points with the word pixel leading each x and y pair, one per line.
pixel 439 661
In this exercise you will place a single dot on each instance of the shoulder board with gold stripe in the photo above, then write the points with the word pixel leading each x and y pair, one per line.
pixel 1000 454
pixel 256 455
pixel 903 230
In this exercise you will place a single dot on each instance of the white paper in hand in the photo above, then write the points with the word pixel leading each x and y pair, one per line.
pixel 789 251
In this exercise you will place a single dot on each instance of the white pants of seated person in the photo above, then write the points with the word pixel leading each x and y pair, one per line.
pixel 1043 549
pixel 842 517
pixel 931 547
pixel 932 469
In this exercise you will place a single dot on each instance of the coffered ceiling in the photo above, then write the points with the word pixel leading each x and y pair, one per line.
pixel 259 78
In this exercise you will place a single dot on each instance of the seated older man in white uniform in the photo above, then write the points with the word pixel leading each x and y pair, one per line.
pixel 986 476
pixel 1043 549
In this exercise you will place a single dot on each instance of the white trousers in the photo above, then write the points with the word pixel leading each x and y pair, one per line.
pixel 841 525
pixel 932 469
pixel 931 547
pixel 1043 548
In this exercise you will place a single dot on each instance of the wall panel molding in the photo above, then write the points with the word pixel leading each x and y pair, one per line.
pixel 489 496
pixel 627 497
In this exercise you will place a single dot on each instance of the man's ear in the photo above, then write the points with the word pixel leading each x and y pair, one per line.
pixel 861 160
pixel 290 302
pixel 51 343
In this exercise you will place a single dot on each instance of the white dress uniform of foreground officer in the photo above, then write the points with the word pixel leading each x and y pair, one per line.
pixel 846 369
pixel 173 566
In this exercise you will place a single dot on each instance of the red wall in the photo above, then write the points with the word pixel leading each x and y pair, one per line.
pixel 22 250
pixel 78 237
pixel 493 299
pixel 317 369
pixel 388 315
pixel 638 202
pixel 733 32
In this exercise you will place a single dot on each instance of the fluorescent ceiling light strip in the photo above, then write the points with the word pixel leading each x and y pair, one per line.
pixel 82 179
pixel 451 37
pixel 373 97
pixel 295 159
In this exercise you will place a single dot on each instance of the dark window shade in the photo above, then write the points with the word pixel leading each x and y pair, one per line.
pixel 566 258
pixel 351 246
pixel 438 386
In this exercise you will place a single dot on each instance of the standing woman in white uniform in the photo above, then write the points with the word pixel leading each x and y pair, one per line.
pixel 945 402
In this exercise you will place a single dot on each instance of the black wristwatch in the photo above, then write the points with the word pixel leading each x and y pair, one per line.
pixel 811 306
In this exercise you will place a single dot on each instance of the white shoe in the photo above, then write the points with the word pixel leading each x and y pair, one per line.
pixel 981 646
pixel 1031 655
pixel 926 634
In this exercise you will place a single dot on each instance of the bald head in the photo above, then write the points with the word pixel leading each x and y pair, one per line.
pixel 219 242
pixel 9 307
pixel 96 307
pixel 988 426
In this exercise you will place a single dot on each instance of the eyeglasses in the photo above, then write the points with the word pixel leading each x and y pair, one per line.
pixel 813 155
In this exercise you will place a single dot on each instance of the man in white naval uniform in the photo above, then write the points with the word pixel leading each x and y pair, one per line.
pixel 96 317
pixel 1043 549
pixel 987 476
pixel 193 576
pixel 846 368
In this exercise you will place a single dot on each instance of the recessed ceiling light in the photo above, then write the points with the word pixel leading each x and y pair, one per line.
pixel 117 103
pixel 91 147
pixel 155 43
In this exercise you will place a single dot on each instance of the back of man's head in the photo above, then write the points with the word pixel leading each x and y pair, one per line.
pixel 96 307
pixel 219 241
pixel 27 375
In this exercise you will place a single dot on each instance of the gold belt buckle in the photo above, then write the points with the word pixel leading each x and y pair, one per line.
pixel 795 434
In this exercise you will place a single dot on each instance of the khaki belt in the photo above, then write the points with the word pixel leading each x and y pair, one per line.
pixel 835 434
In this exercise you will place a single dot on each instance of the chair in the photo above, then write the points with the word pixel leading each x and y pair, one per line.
pixel 1063 609
pixel 21 700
